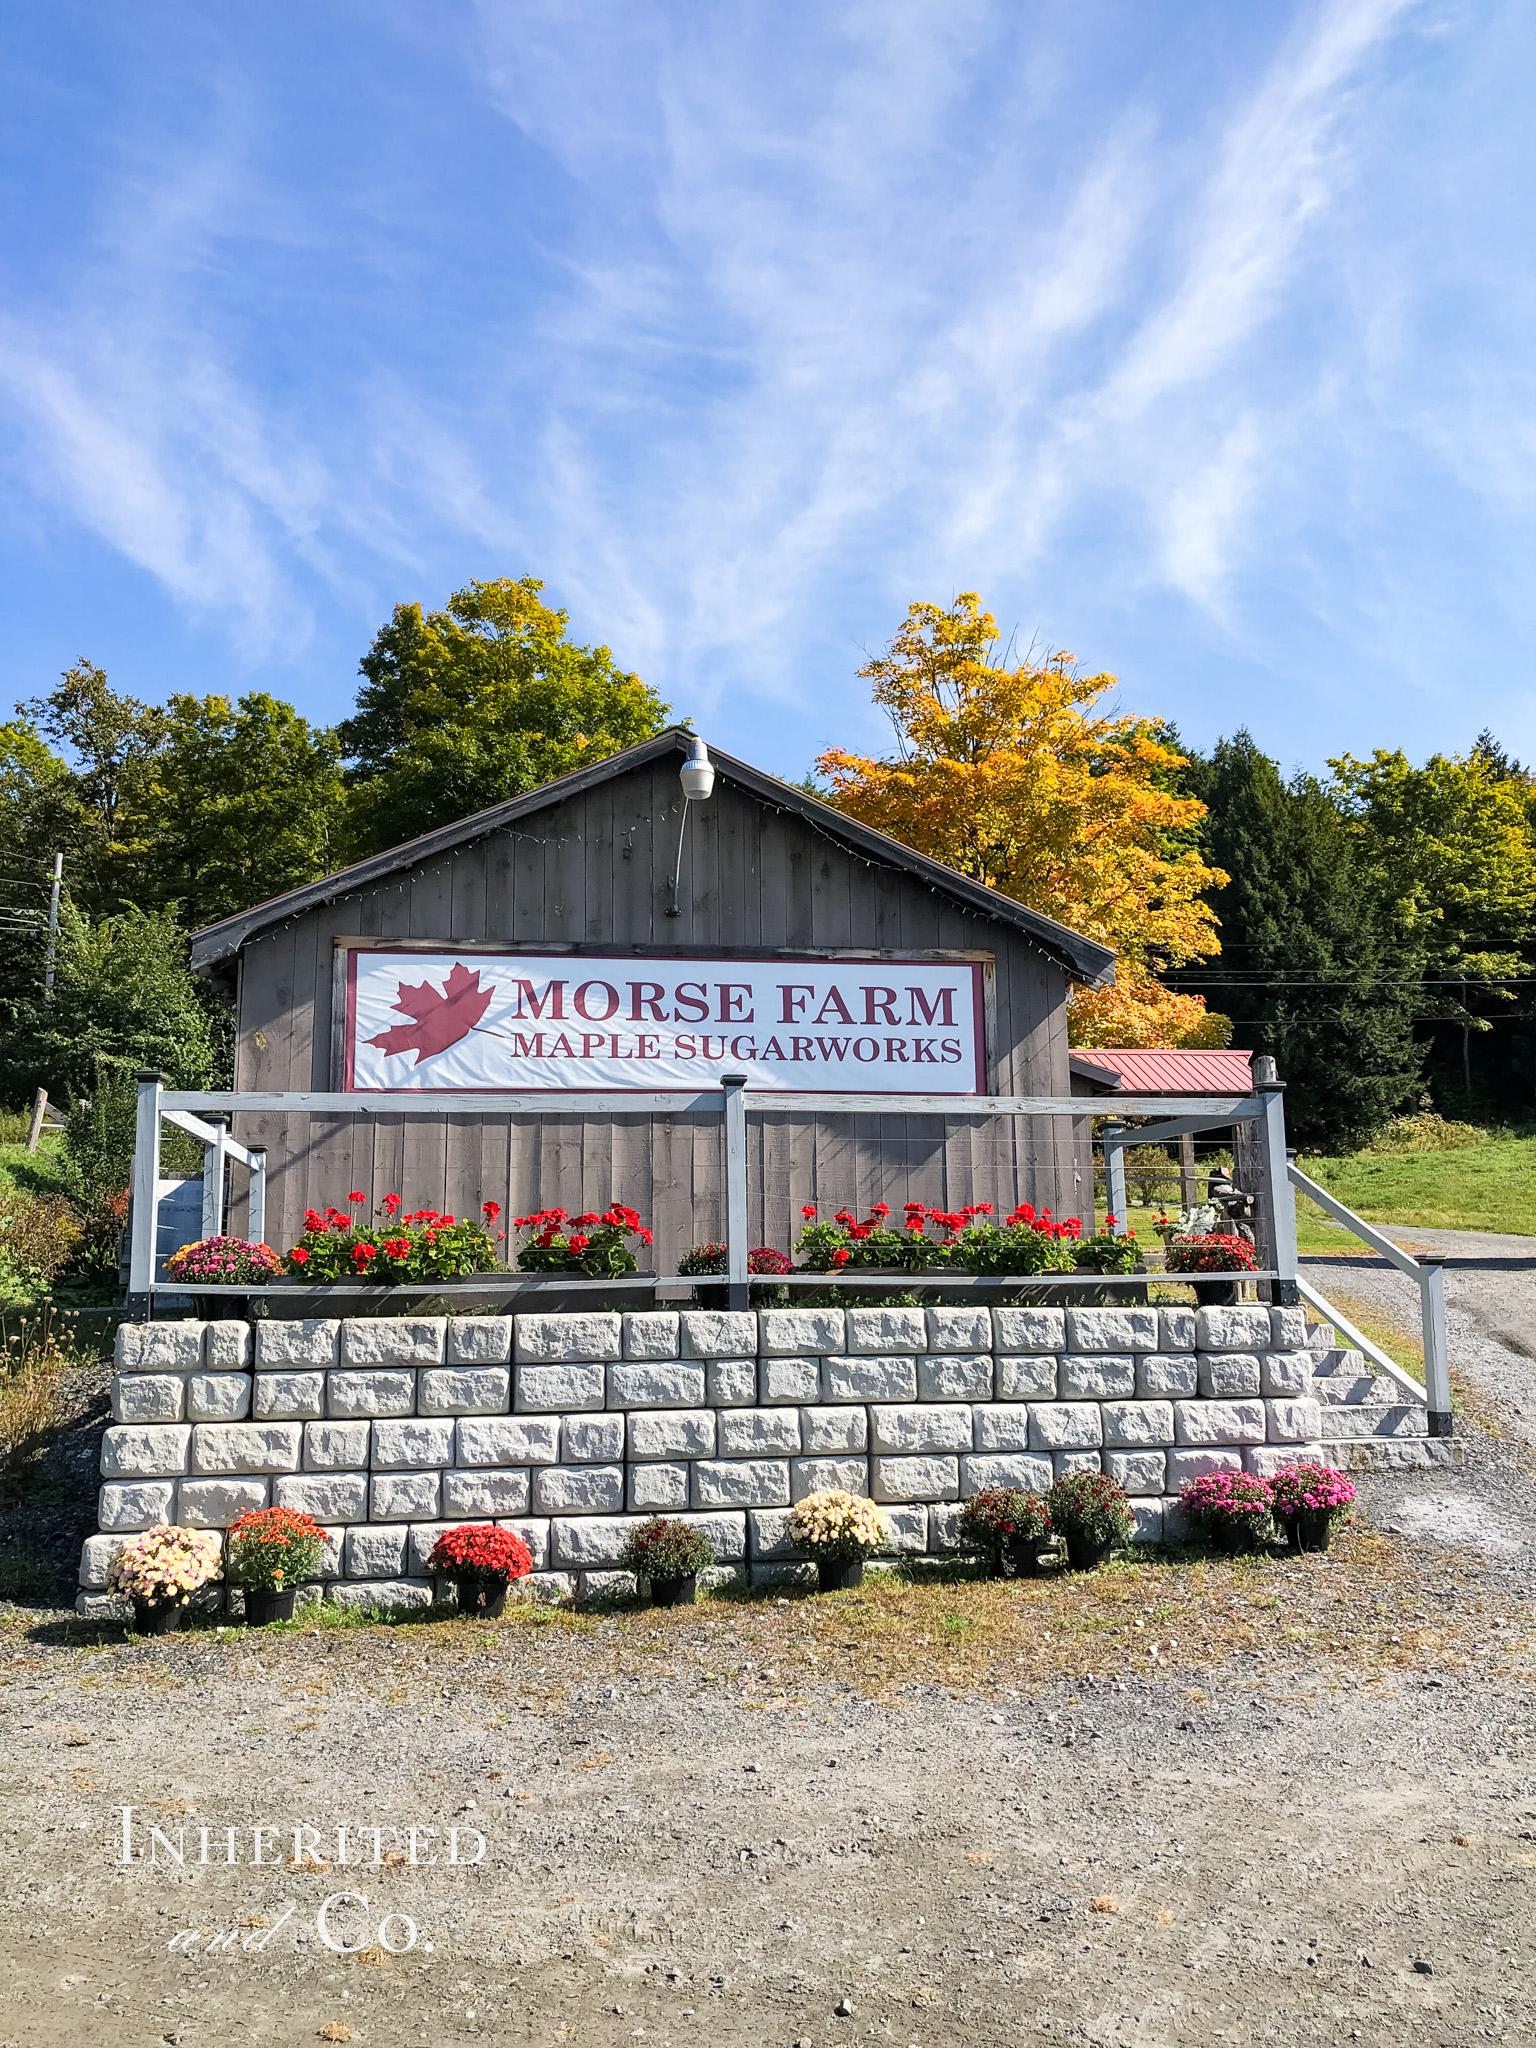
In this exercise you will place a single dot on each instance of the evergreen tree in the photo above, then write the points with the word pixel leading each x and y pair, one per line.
pixel 1307 972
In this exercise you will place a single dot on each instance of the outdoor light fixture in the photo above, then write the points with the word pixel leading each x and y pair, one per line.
pixel 697 775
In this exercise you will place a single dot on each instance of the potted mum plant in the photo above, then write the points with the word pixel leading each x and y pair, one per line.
pixel 1091 1513
pixel 1008 1527
pixel 482 1562
pixel 271 1552
pixel 160 1569
pixel 592 1244
pixel 1230 1509
pixel 1308 1500
pixel 837 1530
pixel 712 1259
pixel 670 1554
pixel 224 1262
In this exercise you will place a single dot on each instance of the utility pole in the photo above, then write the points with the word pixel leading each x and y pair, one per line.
pixel 53 926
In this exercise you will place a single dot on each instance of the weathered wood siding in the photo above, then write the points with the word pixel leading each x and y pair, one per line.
pixel 592 871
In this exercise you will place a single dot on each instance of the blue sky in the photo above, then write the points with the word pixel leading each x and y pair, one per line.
pixel 1197 336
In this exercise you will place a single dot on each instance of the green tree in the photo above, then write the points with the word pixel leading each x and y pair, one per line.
pixel 242 801
pixel 124 998
pixel 113 741
pixel 1308 967
pixel 465 707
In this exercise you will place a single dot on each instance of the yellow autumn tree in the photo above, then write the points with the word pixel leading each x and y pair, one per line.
pixel 1011 775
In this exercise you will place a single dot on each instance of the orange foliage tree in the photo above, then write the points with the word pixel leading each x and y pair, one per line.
pixel 1011 775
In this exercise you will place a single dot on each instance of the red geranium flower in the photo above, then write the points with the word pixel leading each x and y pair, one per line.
pixel 357 1195
pixel 491 1209
pixel 298 1255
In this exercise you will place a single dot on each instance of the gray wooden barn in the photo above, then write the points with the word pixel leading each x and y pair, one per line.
pixel 588 868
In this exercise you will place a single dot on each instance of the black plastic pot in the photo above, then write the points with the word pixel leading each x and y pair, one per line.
pixel 1210 1293
pixel 1087 1553
pixel 157 1617
pixel 681 1592
pixel 1019 1559
pixel 1311 1529
pixel 840 1577
pixel 486 1598
pixel 269 1603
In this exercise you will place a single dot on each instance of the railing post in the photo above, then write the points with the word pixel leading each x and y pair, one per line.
pixel 213 1184
pixel 1277 1202
pixel 1114 1176
pixel 1437 1364
pixel 256 1196
pixel 738 1293
pixel 142 1244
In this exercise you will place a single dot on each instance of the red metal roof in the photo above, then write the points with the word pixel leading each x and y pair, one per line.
pixel 1133 1071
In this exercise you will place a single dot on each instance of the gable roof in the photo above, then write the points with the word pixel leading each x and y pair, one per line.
pixel 1084 959
pixel 1143 1070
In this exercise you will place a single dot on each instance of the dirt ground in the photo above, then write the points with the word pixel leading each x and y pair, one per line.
pixel 1175 1802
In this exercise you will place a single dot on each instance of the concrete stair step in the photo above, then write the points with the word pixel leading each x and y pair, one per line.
pixel 1361 1390
pixel 1397 1454
pixel 1401 1420
pixel 1338 1359
pixel 1321 1336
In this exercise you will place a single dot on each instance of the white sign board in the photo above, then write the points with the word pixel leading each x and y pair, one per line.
pixel 418 1021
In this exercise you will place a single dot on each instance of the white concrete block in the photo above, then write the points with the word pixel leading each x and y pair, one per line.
pixel 1031 1376
pixel 289 1396
pixel 944 1524
pixel 1175 1329
pixel 336 1446
pixel 1147 1521
pixel 603 1588
pixel 790 1379
pixel 906 1531
pixel 353 1394
pixel 1293 1422
pixel 801 1332
pixel 914 1479
pixel 137 1504
pixel 1137 1471
pixel 910 1430
pixel 1064 1462
pixel 1182 1466
pixel 877 1332
pixel 170 1347
pixel 1220 1422
pixel 558 1389
pixel 768 1533
pixel 1034 1474
pixel 1112 1329
pixel 668 1384
pixel 658 1489
pixel 959 1329
pixel 1228 1375
pixel 578 1489
pixel 827 1432
pixel 1001 1426
pixel 652 1333
pixel 1029 1329
pixel 218 1396
pixel 955 1376
pixel 591 1439
pixel 145 1450
pixel 227 1347
pixel 148 1397
pixel 420 1541
pixel 732 1382
pixel 827 1475
pixel 311 1341
pixel 328 1496
pixel 1242 1328
pixel 1284 1373
pixel 478 1340
pixel 464 1390
pixel 1095 1376
pixel 1265 1460
pixel 726 1533
pixel 668 1433
pixel 741 1482
pixel 381 1596
pixel 720 1333
pixel 507 1440
pixel 1135 1425
pixel 96 1554
pixel 215 1503
pixel 219 1447
pixel 588 1541
pixel 1065 1426
pixel 549 1589
pixel 535 1533
pixel 569 1340
pixel 394 1341
pixel 104 1607
pixel 478 1494
pixel 759 1433
pixel 869 1379
pixel 1288 1329
pixel 404 1496
pixel 1167 1375
pixel 412 1444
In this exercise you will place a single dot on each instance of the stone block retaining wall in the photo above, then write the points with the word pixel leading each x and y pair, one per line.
pixel 571 1428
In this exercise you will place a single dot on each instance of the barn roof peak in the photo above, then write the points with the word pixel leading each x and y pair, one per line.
pixel 1083 958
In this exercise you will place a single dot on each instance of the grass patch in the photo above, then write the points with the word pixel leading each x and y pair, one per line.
pixel 1479 1187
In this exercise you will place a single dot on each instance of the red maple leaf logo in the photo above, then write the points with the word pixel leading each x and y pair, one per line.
pixel 441 1020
